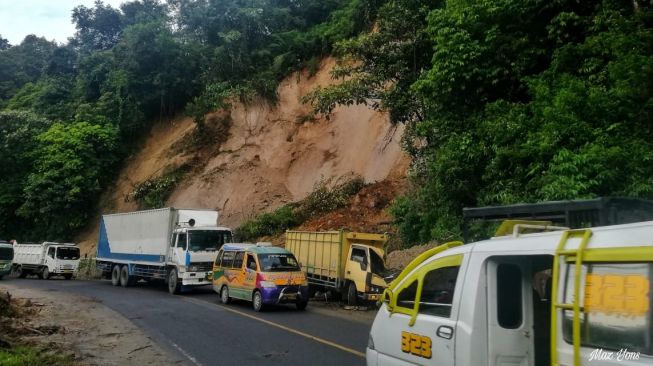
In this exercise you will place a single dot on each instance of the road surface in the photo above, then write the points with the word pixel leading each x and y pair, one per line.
pixel 197 328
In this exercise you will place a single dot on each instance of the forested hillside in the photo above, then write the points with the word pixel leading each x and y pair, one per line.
pixel 504 101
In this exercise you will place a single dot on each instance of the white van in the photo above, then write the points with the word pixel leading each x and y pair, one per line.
pixel 571 297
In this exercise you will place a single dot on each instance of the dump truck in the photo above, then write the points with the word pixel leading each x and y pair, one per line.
pixel 567 297
pixel 46 259
pixel 6 257
pixel 176 246
pixel 350 263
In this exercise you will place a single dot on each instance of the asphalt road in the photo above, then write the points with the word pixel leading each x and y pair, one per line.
pixel 199 329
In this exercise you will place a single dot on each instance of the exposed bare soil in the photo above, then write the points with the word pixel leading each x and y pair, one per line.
pixel 270 157
pixel 92 333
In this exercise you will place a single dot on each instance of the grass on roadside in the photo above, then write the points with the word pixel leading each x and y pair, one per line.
pixel 32 356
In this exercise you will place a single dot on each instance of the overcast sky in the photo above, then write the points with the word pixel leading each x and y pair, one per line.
pixel 47 18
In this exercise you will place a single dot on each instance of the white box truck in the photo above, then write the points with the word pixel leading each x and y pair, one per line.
pixel 177 246
pixel 46 259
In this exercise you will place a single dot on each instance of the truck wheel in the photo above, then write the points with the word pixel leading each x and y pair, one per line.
pixel 352 299
pixel 173 282
pixel 45 273
pixel 125 278
pixel 257 301
pixel 224 294
pixel 115 275
pixel 301 305
pixel 18 272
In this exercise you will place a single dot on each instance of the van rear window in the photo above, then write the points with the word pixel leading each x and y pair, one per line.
pixel 616 303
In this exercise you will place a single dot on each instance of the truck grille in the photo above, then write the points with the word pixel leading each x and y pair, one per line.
pixel 203 266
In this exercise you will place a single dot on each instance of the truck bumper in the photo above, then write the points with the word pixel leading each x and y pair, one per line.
pixel 195 279
pixel 372 297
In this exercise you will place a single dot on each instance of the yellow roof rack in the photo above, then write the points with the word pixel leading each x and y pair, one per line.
pixel 516 227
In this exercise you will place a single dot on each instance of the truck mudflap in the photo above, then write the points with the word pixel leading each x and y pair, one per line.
pixel 284 294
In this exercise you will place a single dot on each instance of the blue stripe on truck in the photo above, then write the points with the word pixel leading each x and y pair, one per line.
pixel 104 250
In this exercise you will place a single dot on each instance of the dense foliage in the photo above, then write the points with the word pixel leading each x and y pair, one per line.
pixel 513 101
pixel 69 113
pixel 505 101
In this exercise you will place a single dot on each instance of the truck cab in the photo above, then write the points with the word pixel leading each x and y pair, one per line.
pixel 6 257
pixel 568 297
pixel 365 268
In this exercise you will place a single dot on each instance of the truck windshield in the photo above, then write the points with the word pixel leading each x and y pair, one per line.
pixel 378 268
pixel 278 262
pixel 6 253
pixel 210 240
pixel 67 253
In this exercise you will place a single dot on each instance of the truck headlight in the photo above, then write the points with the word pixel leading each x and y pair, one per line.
pixel 267 284
pixel 370 342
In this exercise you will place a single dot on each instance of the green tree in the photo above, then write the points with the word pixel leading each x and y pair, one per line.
pixel 18 132
pixel 72 164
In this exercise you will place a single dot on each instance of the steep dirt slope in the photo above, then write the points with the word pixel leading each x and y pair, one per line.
pixel 269 158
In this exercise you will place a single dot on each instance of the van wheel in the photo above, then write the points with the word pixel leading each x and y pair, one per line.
pixel 115 275
pixel 224 294
pixel 125 278
pixel 45 274
pixel 352 298
pixel 257 301
pixel 173 282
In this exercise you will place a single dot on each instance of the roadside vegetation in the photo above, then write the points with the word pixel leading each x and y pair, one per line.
pixel 504 101
pixel 324 198
pixel 15 349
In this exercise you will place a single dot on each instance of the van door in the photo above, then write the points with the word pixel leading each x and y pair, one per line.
pixel 510 319
pixel 422 326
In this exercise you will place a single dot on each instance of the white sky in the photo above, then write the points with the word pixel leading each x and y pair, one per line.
pixel 51 19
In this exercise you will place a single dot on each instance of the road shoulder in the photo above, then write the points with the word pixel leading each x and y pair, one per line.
pixel 95 333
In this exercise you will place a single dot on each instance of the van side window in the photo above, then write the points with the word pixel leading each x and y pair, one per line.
pixel 251 262
pixel 509 295
pixel 227 259
pixel 616 306
pixel 406 298
pixel 238 260
pixel 437 291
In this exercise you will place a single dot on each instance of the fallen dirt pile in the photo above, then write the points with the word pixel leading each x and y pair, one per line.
pixel 399 259
pixel 367 211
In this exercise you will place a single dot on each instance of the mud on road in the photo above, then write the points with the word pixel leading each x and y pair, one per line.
pixel 95 334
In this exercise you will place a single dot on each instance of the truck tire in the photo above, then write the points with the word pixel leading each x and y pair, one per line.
pixel 257 301
pixel 301 305
pixel 18 272
pixel 115 275
pixel 352 298
pixel 224 294
pixel 44 274
pixel 173 282
pixel 125 278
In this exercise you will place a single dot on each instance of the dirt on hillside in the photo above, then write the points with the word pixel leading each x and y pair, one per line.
pixel 273 155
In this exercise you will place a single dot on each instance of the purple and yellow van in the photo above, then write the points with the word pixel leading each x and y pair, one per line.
pixel 262 274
